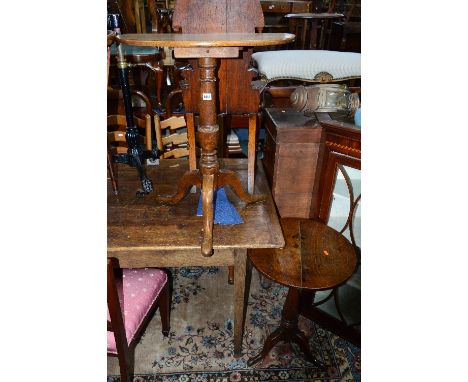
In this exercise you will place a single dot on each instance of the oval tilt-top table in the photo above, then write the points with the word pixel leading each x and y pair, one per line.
pixel 315 19
pixel 206 48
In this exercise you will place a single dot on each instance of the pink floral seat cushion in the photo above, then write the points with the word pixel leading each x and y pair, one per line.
pixel 141 288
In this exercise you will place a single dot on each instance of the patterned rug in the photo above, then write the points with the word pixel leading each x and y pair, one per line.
pixel 200 345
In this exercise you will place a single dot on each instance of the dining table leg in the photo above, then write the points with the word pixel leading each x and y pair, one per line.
pixel 242 274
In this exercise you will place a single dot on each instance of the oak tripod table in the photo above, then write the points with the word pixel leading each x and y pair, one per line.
pixel 316 257
pixel 207 48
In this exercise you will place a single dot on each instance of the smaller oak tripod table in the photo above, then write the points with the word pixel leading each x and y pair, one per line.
pixel 315 257
pixel 206 48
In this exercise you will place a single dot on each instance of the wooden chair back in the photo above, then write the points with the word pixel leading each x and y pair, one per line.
pixel 116 137
pixel 116 295
pixel 172 136
pixel 235 93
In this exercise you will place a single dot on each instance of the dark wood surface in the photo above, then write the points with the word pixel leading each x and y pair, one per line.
pixel 282 6
pixel 293 143
pixel 142 224
pixel 315 256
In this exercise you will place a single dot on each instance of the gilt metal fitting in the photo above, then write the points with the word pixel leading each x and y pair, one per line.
pixel 324 98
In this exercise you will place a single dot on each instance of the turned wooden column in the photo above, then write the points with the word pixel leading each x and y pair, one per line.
pixel 208 138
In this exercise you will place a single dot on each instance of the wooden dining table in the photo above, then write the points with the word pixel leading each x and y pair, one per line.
pixel 142 232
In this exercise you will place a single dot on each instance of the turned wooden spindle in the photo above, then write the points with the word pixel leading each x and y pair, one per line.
pixel 208 138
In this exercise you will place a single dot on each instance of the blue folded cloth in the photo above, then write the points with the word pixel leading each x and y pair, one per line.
pixel 224 211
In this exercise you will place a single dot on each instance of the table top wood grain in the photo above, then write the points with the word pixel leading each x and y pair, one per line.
pixel 315 256
pixel 142 224
pixel 205 40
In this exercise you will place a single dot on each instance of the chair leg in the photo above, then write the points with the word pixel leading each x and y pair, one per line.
pixel 159 73
pixel 223 127
pixel 126 362
pixel 191 141
pixel 231 274
pixel 165 310
pixel 111 174
pixel 251 152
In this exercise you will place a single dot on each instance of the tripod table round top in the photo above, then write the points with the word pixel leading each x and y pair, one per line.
pixel 315 257
pixel 314 16
pixel 205 40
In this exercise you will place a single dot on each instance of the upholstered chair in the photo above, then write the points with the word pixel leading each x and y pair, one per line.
pixel 132 297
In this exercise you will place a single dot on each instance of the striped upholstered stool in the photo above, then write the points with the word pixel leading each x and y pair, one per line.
pixel 281 71
pixel 307 65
